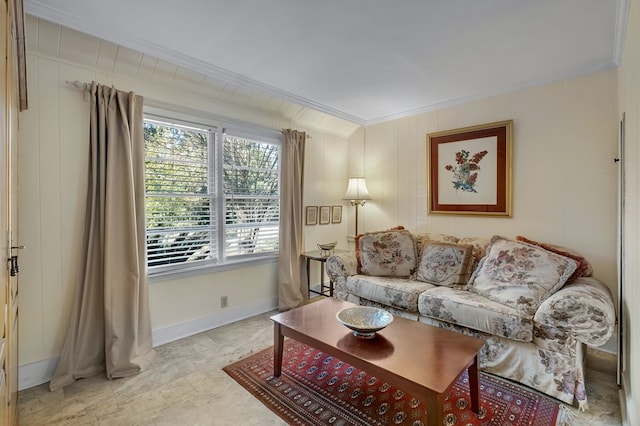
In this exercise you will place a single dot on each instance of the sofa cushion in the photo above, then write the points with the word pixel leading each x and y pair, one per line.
pixel 444 264
pixel 584 267
pixel 520 275
pixel 389 253
pixel 476 312
pixel 399 293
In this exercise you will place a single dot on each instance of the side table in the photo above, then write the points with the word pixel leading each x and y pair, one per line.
pixel 318 257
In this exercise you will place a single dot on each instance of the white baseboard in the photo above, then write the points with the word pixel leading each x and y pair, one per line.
pixel 623 406
pixel 40 372
pixel 36 373
pixel 622 392
pixel 226 316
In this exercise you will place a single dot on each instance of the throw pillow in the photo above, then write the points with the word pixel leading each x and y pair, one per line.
pixel 444 264
pixel 386 253
pixel 584 267
pixel 422 239
pixel 520 275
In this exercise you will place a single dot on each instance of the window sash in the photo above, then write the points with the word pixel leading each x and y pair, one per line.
pixel 252 196
pixel 188 224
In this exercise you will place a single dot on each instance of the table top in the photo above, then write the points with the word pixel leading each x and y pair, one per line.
pixel 425 356
pixel 317 254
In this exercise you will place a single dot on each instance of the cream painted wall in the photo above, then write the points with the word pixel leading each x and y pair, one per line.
pixel 564 191
pixel 629 103
pixel 53 168
pixel 564 176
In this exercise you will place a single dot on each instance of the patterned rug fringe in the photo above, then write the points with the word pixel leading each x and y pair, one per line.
pixel 583 405
pixel 566 416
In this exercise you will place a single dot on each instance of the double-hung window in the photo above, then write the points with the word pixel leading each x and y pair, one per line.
pixel 212 195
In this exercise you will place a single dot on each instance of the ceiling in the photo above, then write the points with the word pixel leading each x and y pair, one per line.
pixel 364 61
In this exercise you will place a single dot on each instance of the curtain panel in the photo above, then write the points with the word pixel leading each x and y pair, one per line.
pixel 291 243
pixel 110 325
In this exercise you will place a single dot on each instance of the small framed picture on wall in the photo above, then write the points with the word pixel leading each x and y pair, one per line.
pixel 325 215
pixel 336 214
pixel 312 215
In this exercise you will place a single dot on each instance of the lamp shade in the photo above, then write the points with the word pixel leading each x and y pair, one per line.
pixel 357 190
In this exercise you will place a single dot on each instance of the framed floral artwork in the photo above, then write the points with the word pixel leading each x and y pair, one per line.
pixel 470 170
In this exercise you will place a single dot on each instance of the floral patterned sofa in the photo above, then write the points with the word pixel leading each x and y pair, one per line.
pixel 535 304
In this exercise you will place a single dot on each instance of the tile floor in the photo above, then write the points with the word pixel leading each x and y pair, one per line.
pixel 186 386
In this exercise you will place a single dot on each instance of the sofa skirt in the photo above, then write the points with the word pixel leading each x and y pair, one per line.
pixel 559 375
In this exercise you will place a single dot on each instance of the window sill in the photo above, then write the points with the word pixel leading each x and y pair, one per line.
pixel 209 269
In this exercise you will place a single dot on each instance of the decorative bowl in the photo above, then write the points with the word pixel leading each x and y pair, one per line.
pixel 364 320
pixel 326 249
pixel 327 246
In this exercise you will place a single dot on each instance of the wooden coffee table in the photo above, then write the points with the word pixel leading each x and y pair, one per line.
pixel 422 360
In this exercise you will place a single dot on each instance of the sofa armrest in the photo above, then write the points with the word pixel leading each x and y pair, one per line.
pixel 583 308
pixel 339 267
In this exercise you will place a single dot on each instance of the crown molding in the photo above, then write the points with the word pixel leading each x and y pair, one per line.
pixel 49 13
pixel 488 94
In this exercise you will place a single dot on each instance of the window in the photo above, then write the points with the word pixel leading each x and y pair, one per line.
pixel 252 196
pixel 212 198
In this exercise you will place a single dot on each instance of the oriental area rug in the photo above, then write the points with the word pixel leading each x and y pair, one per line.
pixel 318 389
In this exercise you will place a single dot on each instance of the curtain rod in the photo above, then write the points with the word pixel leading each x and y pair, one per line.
pixel 78 84
pixel 306 135
pixel 86 86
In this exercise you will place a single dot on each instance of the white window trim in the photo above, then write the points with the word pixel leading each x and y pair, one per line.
pixel 196 270
pixel 183 116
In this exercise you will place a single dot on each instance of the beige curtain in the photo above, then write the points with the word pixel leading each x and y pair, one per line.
pixel 289 263
pixel 110 326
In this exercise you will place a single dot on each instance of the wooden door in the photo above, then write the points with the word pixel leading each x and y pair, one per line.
pixel 11 114
pixel 5 203
pixel 14 239
pixel 9 240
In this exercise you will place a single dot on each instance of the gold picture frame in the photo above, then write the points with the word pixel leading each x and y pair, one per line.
pixel 470 170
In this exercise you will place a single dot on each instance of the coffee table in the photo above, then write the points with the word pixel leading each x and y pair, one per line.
pixel 420 359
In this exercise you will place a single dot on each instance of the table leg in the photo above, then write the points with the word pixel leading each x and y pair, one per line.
pixel 309 278
pixel 322 278
pixel 474 385
pixel 278 343
pixel 435 410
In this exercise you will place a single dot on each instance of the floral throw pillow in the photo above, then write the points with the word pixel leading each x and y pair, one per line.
pixel 520 275
pixel 386 253
pixel 584 267
pixel 444 264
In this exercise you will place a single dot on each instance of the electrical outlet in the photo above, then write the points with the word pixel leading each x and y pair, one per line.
pixel 224 301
